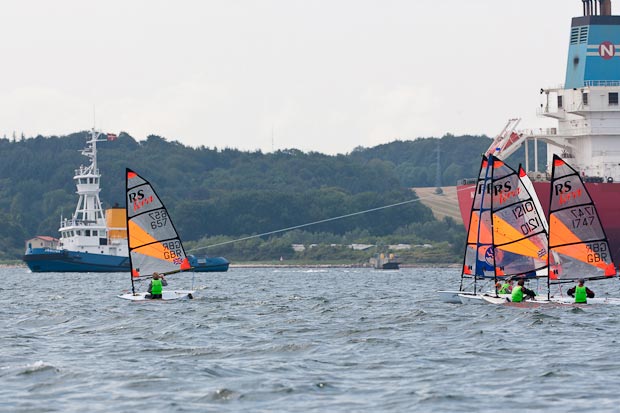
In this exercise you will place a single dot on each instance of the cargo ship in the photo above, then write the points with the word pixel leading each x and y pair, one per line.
pixel 587 112
pixel 94 240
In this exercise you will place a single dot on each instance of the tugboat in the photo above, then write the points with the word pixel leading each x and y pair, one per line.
pixel 91 240
pixel 587 110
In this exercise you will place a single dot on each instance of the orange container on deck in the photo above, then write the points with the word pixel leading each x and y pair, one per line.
pixel 116 221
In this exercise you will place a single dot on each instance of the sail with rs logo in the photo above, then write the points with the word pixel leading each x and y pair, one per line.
pixel 576 234
pixel 578 245
pixel 154 244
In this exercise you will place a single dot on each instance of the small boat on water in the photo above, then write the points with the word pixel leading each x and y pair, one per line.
pixel 154 244
pixel 385 262
pixel 94 240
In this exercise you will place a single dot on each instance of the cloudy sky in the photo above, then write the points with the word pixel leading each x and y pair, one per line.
pixel 316 75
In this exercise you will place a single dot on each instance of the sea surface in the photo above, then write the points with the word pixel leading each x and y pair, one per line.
pixel 298 340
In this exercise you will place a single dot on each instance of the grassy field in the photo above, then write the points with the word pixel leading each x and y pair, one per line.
pixel 442 205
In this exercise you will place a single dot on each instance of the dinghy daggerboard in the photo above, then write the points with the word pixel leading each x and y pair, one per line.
pixel 154 244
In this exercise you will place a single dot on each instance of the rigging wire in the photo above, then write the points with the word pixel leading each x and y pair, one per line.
pixel 308 224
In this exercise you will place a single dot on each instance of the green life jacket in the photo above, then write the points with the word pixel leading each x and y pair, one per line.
pixel 505 289
pixel 581 295
pixel 517 294
pixel 156 287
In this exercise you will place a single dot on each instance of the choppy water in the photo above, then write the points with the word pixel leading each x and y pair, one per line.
pixel 297 340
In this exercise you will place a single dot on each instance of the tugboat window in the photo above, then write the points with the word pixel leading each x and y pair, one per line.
pixel 613 98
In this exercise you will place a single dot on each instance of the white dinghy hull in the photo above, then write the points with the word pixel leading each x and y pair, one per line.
pixel 475 299
pixel 165 296
pixel 450 296
pixel 595 301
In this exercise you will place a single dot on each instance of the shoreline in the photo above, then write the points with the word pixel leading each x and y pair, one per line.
pixel 271 265
pixel 258 265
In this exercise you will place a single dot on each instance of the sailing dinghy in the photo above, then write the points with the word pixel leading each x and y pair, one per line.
pixel 576 234
pixel 578 246
pixel 507 236
pixel 154 245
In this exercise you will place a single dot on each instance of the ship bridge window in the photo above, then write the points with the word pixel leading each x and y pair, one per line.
pixel 87 233
pixel 559 102
pixel 584 97
pixel 613 98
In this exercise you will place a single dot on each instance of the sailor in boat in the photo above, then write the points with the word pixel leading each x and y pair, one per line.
pixel 581 292
pixel 156 285
pixel 520 292
pixel 505 288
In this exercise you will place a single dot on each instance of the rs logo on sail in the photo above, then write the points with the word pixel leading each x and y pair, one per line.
pixel 502 191
pixel 138 199
pixel 563 192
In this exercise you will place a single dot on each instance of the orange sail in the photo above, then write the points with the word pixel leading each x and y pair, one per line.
pixel 154 244
pixel 576 234
pixel 507 233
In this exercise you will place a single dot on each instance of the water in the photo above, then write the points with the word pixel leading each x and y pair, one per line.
pixel 298 340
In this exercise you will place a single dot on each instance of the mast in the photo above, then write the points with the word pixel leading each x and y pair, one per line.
pixel 491 165
pixel 87 180
pixel 487 183
pixel 132 271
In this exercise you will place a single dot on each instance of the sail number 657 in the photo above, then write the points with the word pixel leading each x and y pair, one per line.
pixel 159 219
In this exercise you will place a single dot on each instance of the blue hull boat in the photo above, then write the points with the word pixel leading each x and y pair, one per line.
pixel 52 260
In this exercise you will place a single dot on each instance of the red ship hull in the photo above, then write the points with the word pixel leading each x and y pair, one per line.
pixel 606 197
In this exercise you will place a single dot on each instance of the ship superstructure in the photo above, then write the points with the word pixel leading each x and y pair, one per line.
pixel 87 230
pixel 586 108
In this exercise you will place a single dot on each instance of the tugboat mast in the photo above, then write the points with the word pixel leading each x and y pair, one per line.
pixel 88 224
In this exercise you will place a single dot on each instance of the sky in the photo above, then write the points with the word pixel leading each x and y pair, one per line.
pixel 314 75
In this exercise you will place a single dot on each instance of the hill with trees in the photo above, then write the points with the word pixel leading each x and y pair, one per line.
pixel 219 195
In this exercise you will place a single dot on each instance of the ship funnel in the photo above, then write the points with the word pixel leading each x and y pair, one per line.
pixel 596 7
pixel 605 7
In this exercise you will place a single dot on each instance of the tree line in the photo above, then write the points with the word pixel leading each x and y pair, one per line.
pixel 229 193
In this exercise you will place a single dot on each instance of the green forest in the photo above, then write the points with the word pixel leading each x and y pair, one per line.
pixel 217 196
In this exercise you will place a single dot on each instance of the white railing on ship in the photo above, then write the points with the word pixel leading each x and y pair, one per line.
pixel 76 222
pixel 86 171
